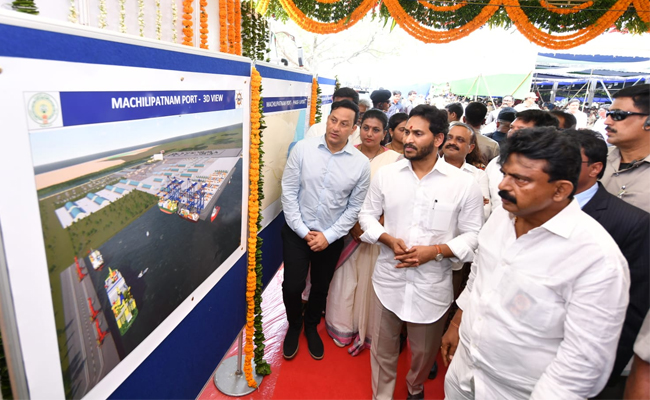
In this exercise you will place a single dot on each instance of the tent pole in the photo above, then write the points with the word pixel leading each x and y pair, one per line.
pixel 520 83
pixel 471 87
pixel 606 91
pixel 487 87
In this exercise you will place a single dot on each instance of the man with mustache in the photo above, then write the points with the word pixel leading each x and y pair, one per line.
pixel 628 164
pixel 542 311
pixel 432 214
pixel 523 119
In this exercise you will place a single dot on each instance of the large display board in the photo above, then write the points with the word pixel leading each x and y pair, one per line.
pixel 124 168
pixel 286 95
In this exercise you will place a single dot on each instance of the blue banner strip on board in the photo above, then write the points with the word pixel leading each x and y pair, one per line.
pixel 40 44
pixel 273 104
pixel 326 81
pixel 274 73
pixel 326 99
pixel 83 108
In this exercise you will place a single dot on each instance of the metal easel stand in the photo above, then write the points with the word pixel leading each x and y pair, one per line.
pixel 231 381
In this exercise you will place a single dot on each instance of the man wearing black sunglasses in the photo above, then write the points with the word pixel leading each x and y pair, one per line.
pixel 627 174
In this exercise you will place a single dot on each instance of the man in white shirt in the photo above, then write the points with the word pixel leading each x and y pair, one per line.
pixel 573 108
pixel 524 119
pixel 344 93
pixel 543 309
pixel 432 214
pixel 529 103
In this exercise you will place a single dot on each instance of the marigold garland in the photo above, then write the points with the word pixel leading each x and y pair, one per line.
pixel 237 27
pixel 122 16
pixel 204 25
pixel 158 21
pixel 556 42
pixel 643 10
pixel 262 6
pixel 102 15
pixel 174 21
pixel 141 17
pixel 561 10
pixel 73 12
pixel 188 31
pixel 231 27
pixel 426 35
pixel 313 102
pixel 439 24
pixel 253 279
pixel 443 8
pixel 223 26
pixel 310 25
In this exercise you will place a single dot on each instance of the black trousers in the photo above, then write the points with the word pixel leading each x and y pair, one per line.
pixel 297 259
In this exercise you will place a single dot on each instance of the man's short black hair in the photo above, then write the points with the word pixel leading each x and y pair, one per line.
pixel 640 95
pixel 455 108
pixel 593 144
pixel 396 92
pixel 475 113
pixel 560 151
pixel 438 123
pixel 412 92
pixel 377 114
pixel 397 119
pixel 539 118
pixel 570 120
pixel 349 105
pixel 347 92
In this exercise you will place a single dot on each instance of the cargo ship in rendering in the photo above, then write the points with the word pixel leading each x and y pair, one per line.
pixel 215 212
pixel 190 215
pixel 168 206
pixel 122 302
pixel 96 259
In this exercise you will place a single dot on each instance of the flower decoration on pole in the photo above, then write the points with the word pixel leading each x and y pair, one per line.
pixel 101 21
pixel 174 21
pixel 231 26
pixel 204 25
pixel 122 16
pixel 158 21
pixel 141 16
pixel 73 12
pixel 223 26
pixel 254 332
pixel 313 103
pixel 237 39
pixel 188 31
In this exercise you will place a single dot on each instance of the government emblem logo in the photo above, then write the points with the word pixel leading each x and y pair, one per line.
pixel 43 109
pixel 239 98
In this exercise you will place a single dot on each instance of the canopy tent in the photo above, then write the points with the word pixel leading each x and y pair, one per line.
pixel 517 85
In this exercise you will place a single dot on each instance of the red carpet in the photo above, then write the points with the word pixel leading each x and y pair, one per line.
pixel 337 376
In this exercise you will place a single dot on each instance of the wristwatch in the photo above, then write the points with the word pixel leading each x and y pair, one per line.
pixel 439 256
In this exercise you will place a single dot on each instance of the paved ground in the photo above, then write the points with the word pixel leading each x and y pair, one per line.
pixel 88 361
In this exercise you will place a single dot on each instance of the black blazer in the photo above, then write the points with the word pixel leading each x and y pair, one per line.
pixel 629 226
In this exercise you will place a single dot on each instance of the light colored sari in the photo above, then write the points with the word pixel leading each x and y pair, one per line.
pixel 348 312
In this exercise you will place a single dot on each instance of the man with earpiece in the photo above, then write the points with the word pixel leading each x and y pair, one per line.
pixel 628 129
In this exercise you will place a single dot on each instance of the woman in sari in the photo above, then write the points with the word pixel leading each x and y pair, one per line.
pixel 347 315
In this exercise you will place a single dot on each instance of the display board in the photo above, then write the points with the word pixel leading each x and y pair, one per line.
pixel 125 164
pixel 327 86
pixel 285 96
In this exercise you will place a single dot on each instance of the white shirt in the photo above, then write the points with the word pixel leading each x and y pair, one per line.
pixel 319 129
pixel 581 120
pixel 495 176
pixel 444 207
pixel 542 313
pixel 522 107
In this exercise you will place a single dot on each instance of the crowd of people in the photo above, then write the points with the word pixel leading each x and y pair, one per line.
pixel 521 254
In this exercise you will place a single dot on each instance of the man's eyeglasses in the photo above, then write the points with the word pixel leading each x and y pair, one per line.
pixel 619 115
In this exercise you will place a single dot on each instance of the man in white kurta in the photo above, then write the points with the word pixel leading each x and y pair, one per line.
pixel 432 214
pixel 543 309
